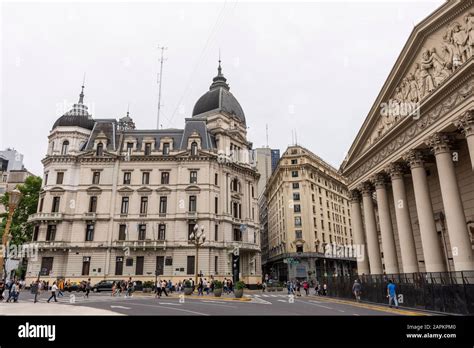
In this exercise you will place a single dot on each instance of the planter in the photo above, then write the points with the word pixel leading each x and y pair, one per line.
pixel 279 289
pixel 271 289
pixel 217 292
pixel 188 291
pixel 147 290
pixel 238 293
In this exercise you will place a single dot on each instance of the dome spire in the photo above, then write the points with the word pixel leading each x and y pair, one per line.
pixel 81 96
pixel 219 80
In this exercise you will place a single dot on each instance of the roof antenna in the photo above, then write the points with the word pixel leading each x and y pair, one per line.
pixel 296 138
pixel 160 79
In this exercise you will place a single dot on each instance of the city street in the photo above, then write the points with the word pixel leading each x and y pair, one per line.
pixel 253 303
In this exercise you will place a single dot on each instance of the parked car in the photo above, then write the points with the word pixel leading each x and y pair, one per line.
pixel 75 286
pixel 104 285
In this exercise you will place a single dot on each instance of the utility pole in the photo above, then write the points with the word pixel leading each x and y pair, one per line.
pixel 160 80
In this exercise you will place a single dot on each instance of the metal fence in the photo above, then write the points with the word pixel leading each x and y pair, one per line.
pixel 449 292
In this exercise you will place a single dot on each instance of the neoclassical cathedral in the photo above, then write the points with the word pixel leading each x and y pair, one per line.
pixel 411 167
pixel 121 202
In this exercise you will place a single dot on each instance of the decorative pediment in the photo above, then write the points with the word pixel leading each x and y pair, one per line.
pixel 94 190
pixel 145 190
pixel 193 189
pixel 91 153
pixel 125 191
pixel 57 190
pixel 163 190
pixel 438 48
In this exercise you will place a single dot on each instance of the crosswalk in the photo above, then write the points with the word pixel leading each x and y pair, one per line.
pixel 74 299
pixel 269 295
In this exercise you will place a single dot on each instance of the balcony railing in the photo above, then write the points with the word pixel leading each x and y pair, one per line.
pixel 242 245
pixel 45 217
pixel 139 244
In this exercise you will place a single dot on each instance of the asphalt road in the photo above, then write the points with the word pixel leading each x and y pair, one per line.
pixel 277 303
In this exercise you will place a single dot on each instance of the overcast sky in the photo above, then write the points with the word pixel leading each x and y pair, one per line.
pixel 315 67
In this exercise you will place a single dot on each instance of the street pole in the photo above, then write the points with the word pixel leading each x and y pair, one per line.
pixel 5 240
pixel 13 200
pixel 197 265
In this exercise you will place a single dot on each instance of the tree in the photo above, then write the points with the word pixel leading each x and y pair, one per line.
pixel 20 230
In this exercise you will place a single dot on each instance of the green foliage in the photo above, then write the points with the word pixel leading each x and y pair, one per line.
pixel 20 230
pixel 148 284
pixel 188 284
pixel 218 284
pixel 239 285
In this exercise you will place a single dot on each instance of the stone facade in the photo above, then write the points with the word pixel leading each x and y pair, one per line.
pixel 415 154
pixel 119 201
pixel 308 218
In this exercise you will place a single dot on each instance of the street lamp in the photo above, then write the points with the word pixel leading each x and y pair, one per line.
pixel 13 200
pixel 197 237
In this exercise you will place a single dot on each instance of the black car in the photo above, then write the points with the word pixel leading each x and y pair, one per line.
pixel 104 285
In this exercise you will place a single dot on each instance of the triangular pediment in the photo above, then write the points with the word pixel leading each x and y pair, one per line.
pixel 145 190
pixel 193 189
pixel 436 51
pixel 163 190
pixel 125 190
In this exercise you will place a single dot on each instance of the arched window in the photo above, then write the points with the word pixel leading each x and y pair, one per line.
pixel 65 147
pixel 194 148
pixel 100 149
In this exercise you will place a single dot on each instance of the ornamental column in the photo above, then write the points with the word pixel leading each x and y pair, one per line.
pixel 402 215
pixel 429 236
pixel 386 230
pixel 466 125
pixel 455 219
pixel 359 237
pixel 375 260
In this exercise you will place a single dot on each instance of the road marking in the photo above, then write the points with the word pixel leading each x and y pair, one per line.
pixel 213 302
pixel 170 303
pixel 319 305
pixel 175 309
pixel 273 295
pixel 257 295
pixel 356 314
pixel 261 301
pixel 341 311
pixel 265 295
pixel 121 307
pixel 217 304
pixel 281 301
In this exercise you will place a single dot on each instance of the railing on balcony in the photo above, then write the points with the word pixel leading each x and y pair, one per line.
pixel 139 243
pixel 45 217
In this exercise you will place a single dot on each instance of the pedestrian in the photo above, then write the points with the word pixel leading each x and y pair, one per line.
pixel 264 286
pixel 306 287
pixel 158 289
pixel 88 287
pixel 129 288
pixel 325 289
pixel 200 287
pixel 206 286
pixel 54 288
pixel 392 293
pixel 61 288
pixel 356 288
pixel 163 287
pixel 298 288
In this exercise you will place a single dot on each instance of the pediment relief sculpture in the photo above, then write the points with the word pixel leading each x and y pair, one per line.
pixel 441 56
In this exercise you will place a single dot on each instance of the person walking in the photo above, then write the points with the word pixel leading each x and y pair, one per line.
pixel 87 287
pixel 54 288
pixel 264 286
pixel 306 287
pixel 356 288
pixel 129 288
pixel 325 289
pixel 61 288
pixel 200 287
pixel 163 287
pixel 158 289
pixel 392 293
pixel 298 288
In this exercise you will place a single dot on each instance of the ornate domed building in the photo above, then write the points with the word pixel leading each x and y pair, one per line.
pixel 121 202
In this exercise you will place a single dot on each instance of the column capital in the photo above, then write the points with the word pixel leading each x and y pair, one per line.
pixel 379 180
pixel 415 158
pixel 396 170
pixel 354 196
pixel 466 123
pixel 366 188
pixel 440 142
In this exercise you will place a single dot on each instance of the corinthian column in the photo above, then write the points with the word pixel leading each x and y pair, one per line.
pixel 373 246
pixel 456 221
pixel 429 236
pixel 466 125
pixel 359 237
pixel 402 215
pixel 388 241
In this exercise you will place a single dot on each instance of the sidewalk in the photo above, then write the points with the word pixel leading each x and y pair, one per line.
pixel 29 308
